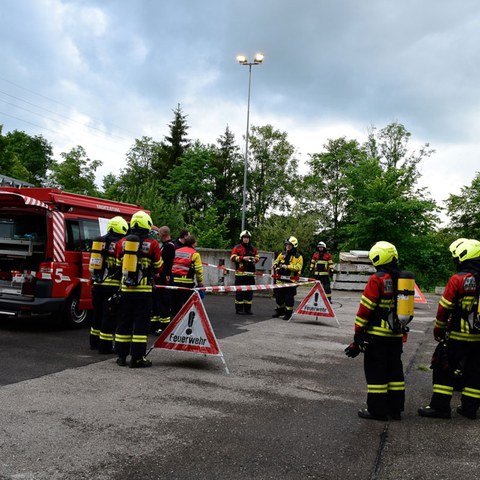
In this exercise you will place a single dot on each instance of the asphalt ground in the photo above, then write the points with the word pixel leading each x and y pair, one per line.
pixel 287 409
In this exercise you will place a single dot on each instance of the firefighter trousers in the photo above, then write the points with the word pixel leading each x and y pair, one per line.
pixel 384 374
pixel 462 374
pixel 104 318
pixel 180 297
pixel 325 281
pixel 244 298
pixel 161 307
pixel 133 324
pixel 285 298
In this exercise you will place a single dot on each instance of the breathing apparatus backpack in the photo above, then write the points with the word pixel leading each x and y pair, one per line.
pixel 405 301
pixel 98 260
pixel 132 261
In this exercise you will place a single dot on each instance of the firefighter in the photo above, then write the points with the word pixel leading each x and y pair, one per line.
pixel 187 267
pixel 321 268
pixel 286 269
pixel 139 257
pixel 380 338
pixel 106 283
pixel 162 296
pixel 244 256
pixel 457 329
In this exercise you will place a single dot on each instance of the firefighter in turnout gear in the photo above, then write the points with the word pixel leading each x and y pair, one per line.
pixel 187 267
pixel 456 361
pixel 244 256
pixel 321 268
pixel 106 282
pixel 138 255
pixel 379 336
pixel 286 269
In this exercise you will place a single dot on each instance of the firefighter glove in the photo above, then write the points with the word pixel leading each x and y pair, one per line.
pixel 439 334
pixel 362 340
pixel 353 350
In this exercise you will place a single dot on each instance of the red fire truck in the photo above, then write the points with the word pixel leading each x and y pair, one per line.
pixel 45 240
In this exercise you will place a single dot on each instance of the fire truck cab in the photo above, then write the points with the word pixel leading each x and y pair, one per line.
pixel 45 240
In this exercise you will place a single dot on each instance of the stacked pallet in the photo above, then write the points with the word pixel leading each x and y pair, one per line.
pixel 353 270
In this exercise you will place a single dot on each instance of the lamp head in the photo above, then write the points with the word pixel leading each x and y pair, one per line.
pixel 259 58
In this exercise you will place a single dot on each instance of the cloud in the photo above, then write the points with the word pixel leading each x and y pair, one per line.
pixel 111 71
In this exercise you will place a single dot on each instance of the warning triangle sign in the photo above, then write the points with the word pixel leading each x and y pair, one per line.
pixel 190 330
pixel 418 297
pixel 316 303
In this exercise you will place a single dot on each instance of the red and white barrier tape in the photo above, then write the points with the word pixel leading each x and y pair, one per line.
pixel 237 288
pixel 274 276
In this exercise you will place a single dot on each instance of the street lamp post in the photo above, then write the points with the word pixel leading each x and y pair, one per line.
pixel 242 59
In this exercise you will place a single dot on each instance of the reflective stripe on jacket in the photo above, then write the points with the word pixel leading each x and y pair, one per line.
pixel 376 309
pixel 321 264
pixel 187 264
pixel 292 268
pixel 458 308
pixel 237 257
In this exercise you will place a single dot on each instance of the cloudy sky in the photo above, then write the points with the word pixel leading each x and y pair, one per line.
pixel 101 73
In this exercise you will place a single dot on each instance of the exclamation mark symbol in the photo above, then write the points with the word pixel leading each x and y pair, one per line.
pixel 191 317
pixel 315 302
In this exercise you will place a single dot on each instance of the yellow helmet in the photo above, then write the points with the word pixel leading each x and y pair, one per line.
pixel 245 233
pixel 468 250
pixel 141 219
pixel 117 225
pixel 455 246
pixel 382 253
pixel 293 241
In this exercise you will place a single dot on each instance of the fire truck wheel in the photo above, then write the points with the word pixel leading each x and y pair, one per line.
pixel 73 317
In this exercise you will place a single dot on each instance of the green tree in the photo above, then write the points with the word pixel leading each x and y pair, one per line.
pixel 272 173
pixel 273 232
pixel 464 210
pixel 192 182
pixel 325 187
pixel 142 159
pixel 25 157
pixel 176 143
pixel 76 174
pixel 228 183
pixel 35 154
pixel 210 231
pixel 384 200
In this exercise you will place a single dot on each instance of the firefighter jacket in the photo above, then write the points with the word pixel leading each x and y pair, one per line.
pixel 244 265
pixel 457 311
pixel 168 254
pixel 288 266
pixel 187 265
pixel 377 310
pixel 112 274
pixel 149 262
pixel 321 264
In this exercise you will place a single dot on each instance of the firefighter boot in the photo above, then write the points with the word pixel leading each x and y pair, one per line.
pixel 428 411
pixel 140 362
pixel 288 315
pixel 466 413
pixel 239 308
pixel 364 413
pixel 248 309
pixel 122 361
pixel 279 311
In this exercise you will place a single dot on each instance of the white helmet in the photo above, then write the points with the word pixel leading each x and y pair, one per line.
pixel 322 244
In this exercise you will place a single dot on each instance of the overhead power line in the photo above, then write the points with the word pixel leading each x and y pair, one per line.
pixel 59 103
